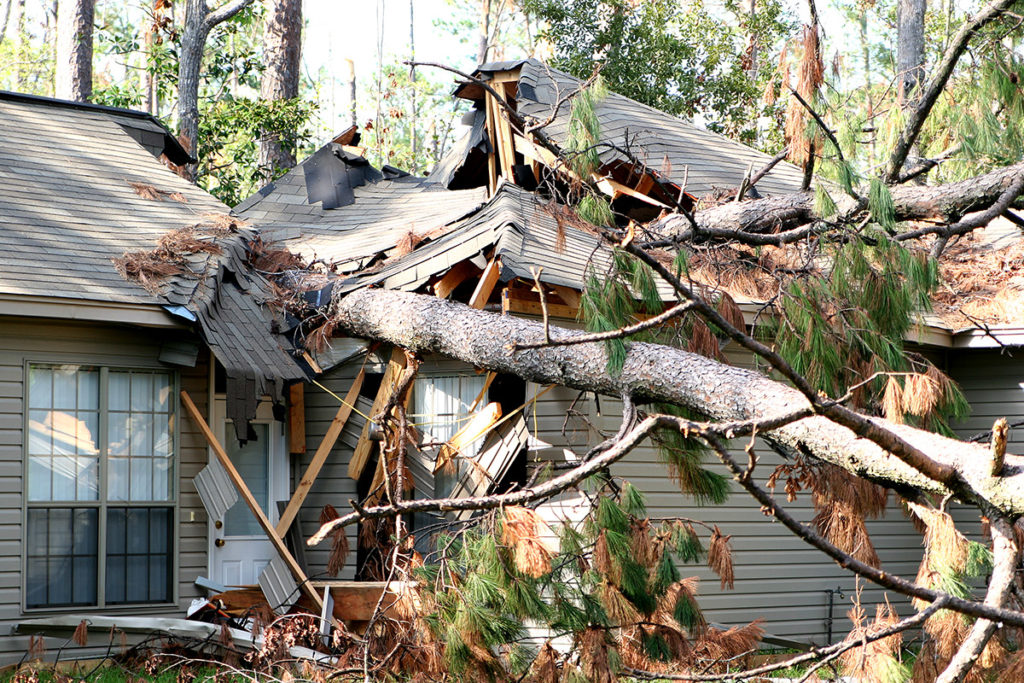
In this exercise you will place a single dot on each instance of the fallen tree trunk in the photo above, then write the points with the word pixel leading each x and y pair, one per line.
pixel 944 203
pixel 660 373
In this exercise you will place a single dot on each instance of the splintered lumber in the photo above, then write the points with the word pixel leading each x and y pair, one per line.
pixel 492 158
pixel 297 418
pixel 523 301
pixel 567 294
pixel 361 454
pixel 486 284
pixel 615 189
pixel 243 491
pixel 458 274
pixel 320 457
pixel 478 426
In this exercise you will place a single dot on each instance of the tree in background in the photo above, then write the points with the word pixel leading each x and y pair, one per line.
pixel 282 48
pixel 74 49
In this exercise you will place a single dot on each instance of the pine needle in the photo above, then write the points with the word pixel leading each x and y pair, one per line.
pixel 520 531
pixel 921 393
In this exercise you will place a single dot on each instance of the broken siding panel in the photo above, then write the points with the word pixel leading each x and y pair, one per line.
pixel 22 341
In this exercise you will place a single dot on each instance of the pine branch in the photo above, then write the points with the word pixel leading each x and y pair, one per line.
pixel 621 333
pixel 225 12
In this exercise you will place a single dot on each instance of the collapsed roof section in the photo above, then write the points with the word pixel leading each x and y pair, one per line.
pixel 382 211
pixel 647 155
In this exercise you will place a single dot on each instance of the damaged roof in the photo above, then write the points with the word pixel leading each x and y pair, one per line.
pixel 691 157
pixel 377 215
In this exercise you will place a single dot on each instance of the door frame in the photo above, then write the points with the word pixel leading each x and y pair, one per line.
pixel 280 488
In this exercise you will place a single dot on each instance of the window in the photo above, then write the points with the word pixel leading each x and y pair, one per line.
pixel 441 406
pixel 100 486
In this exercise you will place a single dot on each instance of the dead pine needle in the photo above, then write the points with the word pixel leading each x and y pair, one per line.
pixel 720 558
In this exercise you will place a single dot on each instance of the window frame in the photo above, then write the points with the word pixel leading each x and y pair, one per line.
pixel 102 503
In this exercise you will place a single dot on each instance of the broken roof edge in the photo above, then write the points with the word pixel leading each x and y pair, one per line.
pixel 173 149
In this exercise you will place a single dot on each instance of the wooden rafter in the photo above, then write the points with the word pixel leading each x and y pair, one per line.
pixel 361 454
pixel 485 286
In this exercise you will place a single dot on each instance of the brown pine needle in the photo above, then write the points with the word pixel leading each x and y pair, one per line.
pixel 720 558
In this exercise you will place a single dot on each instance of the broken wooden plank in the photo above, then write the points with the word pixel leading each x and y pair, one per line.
pixel 361 454
pixel 504 128
pixel 313 470
pixel 243 491
pixel 458 274
pixel 485 286
pixel 474 429
pixel 357 600
pixel 483 391
pixel 297 418
pixel 514 300
pixel 614 189
pixel 492 158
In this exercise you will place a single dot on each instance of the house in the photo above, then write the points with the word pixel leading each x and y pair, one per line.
pixel 192 316
pixel 99 514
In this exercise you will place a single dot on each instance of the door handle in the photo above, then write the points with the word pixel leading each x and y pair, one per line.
pixel 219 543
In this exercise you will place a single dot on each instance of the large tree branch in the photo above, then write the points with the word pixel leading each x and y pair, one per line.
pixel 767 217
pixel 919 112
pixel 660 373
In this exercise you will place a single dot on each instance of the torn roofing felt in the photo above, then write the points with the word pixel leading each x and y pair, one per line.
pixel 674 148
pixel 384 210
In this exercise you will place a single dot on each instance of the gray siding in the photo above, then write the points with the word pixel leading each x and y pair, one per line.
pixel 22 341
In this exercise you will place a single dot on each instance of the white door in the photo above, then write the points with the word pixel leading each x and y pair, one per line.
pixel 239 550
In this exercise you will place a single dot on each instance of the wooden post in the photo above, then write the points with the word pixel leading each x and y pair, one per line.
pixel 243 491
pixel 361 454
pixel 326 446
pixel 297 418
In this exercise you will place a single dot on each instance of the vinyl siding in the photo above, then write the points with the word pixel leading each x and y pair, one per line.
pixel 22 341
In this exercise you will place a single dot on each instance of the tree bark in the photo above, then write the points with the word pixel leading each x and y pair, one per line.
pixel 282 49
pixel 199 21
pixel 74 49
pixel 485 32
pixel 660 373
pixel 945 203
pixel 909 48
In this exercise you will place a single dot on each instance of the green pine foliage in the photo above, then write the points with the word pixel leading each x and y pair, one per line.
pixel 481 600
pixel 880 205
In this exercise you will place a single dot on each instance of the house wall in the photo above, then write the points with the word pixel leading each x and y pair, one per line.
pixel 21 341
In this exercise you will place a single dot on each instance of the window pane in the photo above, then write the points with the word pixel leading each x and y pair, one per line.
pixel 88 390
pixel 117 478
pixel 138 555
pixel 118 433
pixel 162 479
pixel 142 434
pixel 142 391
pixel 40 387
pixel 61 557
pixel 64 423
pixel 252 462
pixel 65 388
pixel 119 390
pixel 162 392
pixel 142 479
